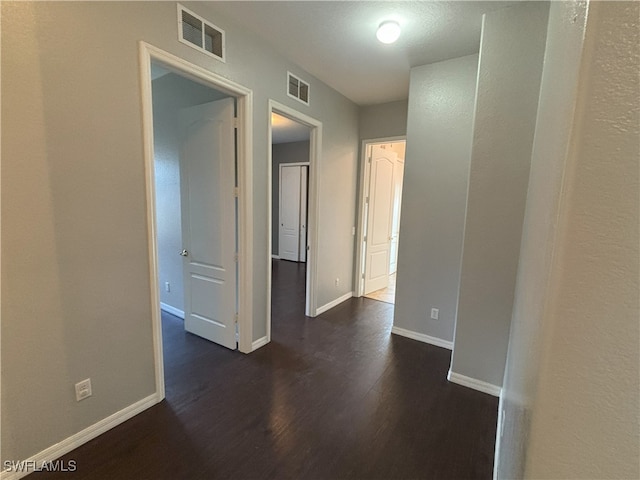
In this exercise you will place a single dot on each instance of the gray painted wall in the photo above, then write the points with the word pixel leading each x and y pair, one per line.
pixel 170 94
pixel 384 120
pixel 283 153
pixel 511 53
pixel 558 94
pixel 571 390
pixel 439 133
pixel 78 300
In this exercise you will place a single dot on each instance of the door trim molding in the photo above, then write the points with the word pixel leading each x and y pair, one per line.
pixel 315 154
pixel 358 287
pixel 295 164
pixel 244 98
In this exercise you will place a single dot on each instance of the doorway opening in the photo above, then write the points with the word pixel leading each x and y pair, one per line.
pixel 195 164
pixel 381 201
pixel 197 140
pixel 290 149
pixel 294 152
pixel 290 152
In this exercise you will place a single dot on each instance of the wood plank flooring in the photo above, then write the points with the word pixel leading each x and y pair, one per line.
pixel 333 397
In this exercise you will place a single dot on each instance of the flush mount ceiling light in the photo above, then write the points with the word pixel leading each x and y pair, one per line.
pixel 388 32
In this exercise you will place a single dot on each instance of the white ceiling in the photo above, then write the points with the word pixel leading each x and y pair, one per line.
pixel 158 71
pixel 335 40
pixel 285 130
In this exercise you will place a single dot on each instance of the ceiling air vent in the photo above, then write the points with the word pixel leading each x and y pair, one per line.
pixel 297 88
pixel 196 32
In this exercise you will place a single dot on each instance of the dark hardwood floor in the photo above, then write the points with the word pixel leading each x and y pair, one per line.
pixel 332 397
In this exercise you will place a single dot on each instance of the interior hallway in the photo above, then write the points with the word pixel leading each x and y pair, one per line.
pixel 332 397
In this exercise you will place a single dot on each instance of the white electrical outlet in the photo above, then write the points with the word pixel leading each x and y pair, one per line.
pixel 167 286
pixel 83 389
pixel 435 313
pixel 337 282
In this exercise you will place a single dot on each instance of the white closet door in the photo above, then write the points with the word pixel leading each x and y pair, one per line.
pixel 289 215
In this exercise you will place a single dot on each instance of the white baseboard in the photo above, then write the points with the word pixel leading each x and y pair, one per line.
pixel 474 383
pixel 261 342
pixel 335 302
pixel 421 337
pixel 74 441
pixel 172 310
pixel 275 257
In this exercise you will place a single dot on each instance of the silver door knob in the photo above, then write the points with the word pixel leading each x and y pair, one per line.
pixel 184 253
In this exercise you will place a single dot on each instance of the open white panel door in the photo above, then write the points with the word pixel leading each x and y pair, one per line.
pixel 379 219
pixel 207 181
pixel 398 175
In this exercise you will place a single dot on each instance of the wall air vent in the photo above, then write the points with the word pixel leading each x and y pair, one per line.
pixel 297 88
pixel 200 34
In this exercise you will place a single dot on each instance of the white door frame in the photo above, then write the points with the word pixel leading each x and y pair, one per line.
pixel 292 164
pixel 315 149
pixel 244 106
pixel 362 193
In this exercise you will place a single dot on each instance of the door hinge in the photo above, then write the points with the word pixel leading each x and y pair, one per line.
pixel 370 159
pixel 236 122
pixel 363 276
pixel 364 239
pixel 236 191
pixel 235 318
pixel 235 257
pixel 366 200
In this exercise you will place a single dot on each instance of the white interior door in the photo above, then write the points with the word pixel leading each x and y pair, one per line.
pixel 207 181
pixel 379 219
pixel 293 223
pixel 398 175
